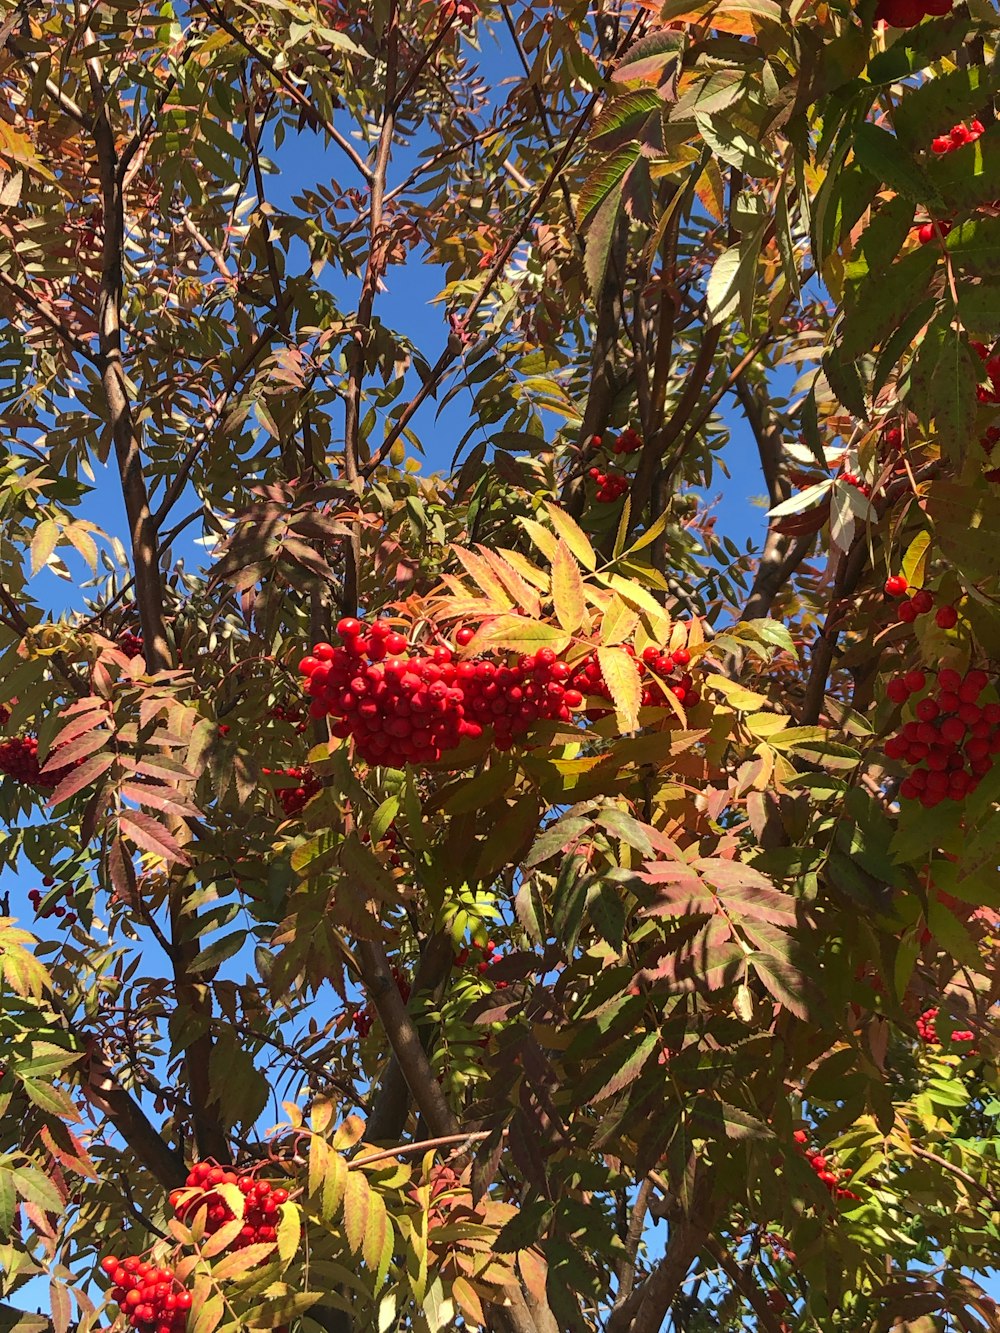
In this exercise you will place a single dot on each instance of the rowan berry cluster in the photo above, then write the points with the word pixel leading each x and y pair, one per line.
pixel 130 644
pixel 628 442
pixel 263 1202
pixel 958 137
pixel 829 1173
pixel 291 714
pixel 927 1029
pixel 918 604
pixel 54 907
pixel 150 1298
pixel 892 438
pixel 853 480
pixel 907 13
pixel 411 707
pixel 19 760
pixel 490 955
pixel 611 486
pixel 951 739
pixel 295 787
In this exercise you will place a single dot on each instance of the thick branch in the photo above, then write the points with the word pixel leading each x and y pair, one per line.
pixel 392 1101
pixel 374 268
pixel 404 1039
pixel 771 571
pixel 645 1310
pixel 142 527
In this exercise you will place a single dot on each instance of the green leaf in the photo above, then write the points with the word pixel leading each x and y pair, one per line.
pixel 219 951
pixel 607 180
pixel 974 246
pixel 738 149
pixel 943 387
pixel 883 156
pixel 883 299
pixel 624 1065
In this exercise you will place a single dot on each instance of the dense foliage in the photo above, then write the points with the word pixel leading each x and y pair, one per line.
pixel 467 890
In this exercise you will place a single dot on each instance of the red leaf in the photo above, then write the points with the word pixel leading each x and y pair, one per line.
pixel 81 777
pixel 151 836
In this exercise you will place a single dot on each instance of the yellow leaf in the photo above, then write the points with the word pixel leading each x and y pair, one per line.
pixel 43 543
pixel 541 536
pixel 525 597
pixel 349 1133
pixel 468 1302
pixel 573 535
pixel 567 589
pixel 914 567
pixel 622 679
pixel 619 622
pixel 484 578
pixel 536 577
pixel 738 695
pixel 84 543
pixel 518 634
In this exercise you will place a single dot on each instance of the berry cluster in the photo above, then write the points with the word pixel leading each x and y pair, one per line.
pixel 150 1298
pixel 927 231
pixel 291 714
pixel 363 1018
pixel 262 1203
pixel 611 486
pixel 853 480
pixel 830 1174
pixel 927 1029
pixel 908 13
pixel 491 954
pixel 951 739
pixel 960 135
pixel 53 908
pixel 19 760
pixel 130 644
pixel 918 604
pixel 402 707
pixel 296 787
pixel 628 442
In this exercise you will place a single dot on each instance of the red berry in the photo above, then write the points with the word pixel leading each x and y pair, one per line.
pixel 895 585
pixel 922 601
pixel 464 636
pixel 946 617
pixel 907 612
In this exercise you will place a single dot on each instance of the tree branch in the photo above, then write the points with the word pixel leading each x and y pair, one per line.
pixel 392 1100
pixel 289 88
pixel 142 526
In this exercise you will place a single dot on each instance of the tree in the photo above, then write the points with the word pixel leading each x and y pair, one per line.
pixel 606 914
